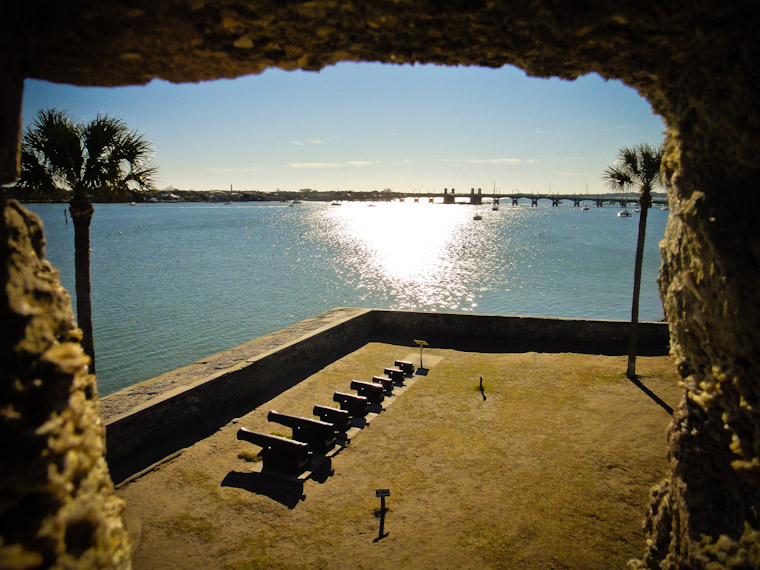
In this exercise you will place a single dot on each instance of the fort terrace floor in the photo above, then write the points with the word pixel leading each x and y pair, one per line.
pixel 550 466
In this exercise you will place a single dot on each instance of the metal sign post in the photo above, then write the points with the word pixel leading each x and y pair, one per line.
pixel 421 343
pixel 382 493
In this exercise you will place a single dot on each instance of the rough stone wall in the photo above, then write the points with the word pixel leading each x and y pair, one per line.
pixel 57 503
pixel 705 513
pixel 695 61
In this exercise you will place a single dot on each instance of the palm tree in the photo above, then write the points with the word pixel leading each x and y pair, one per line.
pixel 66 160
pixel 639 168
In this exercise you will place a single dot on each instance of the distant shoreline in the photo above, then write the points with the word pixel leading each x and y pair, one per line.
pixel 172 195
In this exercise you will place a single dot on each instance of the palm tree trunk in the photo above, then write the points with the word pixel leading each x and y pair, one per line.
pixel 645 202
pixel 81 214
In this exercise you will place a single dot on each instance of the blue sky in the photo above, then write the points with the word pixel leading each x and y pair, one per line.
pixel 367 126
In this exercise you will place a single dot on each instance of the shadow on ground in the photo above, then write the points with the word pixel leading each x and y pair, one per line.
pixel 288 492
pixel 285 489
pixel 659 401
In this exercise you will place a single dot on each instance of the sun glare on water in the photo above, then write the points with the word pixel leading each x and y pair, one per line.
pixel 407 247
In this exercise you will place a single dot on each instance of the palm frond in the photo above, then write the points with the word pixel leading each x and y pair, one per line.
pixel 60 157
pixel 650 159
pixel 141 178
pixel 51 154
pixel 636 167
pixel 100 139
pixel 35 178
pixel 617 178
pixel 629 159
pixel 136 153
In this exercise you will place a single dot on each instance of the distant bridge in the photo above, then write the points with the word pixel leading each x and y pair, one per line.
pixel 476 197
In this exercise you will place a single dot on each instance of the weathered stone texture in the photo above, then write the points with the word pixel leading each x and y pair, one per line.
pixel 695 61
pixel 10 125
pixel 57 505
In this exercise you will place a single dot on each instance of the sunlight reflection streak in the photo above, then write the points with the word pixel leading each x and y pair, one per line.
pixel 411 254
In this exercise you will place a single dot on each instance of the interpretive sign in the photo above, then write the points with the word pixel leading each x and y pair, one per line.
pixel 421 343
pixel 382 493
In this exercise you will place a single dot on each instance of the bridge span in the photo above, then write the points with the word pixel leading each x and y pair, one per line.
pixel 473 196
pixel 476 197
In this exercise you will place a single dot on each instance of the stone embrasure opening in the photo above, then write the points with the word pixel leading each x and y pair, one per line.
pixel 695 63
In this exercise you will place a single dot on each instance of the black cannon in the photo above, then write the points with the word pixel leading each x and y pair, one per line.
pixel 405 366
pixel 279 453
pixel 357 406
pixel 375 393
pixel 341 419
pixel 385 382
pixel 319 435
pixel 395 374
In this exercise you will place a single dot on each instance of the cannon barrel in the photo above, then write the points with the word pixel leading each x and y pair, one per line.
pixel 296 422
pixel 319 435
pixel 406 366
pixel 395 374
pixel 275 443
pixel 341 419
pixel 386 382
pixel 279 453
pixel 373 392
pixel 357 406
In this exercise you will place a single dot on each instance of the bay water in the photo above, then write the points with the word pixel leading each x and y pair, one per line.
pixel 174 283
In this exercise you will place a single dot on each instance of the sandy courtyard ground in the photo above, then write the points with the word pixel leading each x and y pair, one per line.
pixel 551 470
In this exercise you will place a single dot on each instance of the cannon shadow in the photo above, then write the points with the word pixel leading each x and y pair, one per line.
pixel 286 491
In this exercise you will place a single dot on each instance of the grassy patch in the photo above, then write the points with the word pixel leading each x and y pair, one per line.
pixel 255 559
pixel 249 457
pixel 255 551
pixel 280 434
pixel 185 524
pixel 193 478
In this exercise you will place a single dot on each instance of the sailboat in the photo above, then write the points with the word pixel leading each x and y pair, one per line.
pixel 624 213
pixel 495 205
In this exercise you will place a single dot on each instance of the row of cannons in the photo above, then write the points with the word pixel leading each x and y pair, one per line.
pixel 309 436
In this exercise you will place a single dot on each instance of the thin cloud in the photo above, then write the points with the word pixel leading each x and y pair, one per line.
pixel 495 161
pixel 313 165
pixel 315 141
pixel 233 170
pixel 489 160
pixel 355 163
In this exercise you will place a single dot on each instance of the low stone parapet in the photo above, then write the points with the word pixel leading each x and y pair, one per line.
pixel 153 427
